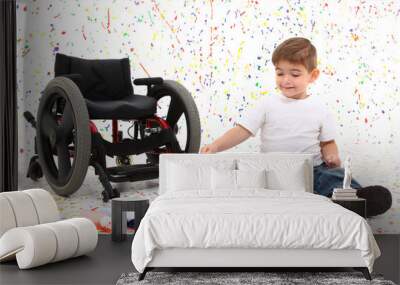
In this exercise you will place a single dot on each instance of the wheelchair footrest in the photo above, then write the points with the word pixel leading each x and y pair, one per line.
pixel 132 172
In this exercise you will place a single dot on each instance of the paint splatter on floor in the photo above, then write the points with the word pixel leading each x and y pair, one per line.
pixel 87 201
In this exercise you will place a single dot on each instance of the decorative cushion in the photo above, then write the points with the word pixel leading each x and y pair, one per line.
pixel 223 179
pixel 66 236
pixel 7 220
pixel 287 175
pixel 233 180
pixel 251 178
pixel 31 246
pixel 281 174
pixel 26 208
pixel 37 245
pixel 87 233
pixel 31 233
pixel 23 209
pixel 45 206
pixel 188 175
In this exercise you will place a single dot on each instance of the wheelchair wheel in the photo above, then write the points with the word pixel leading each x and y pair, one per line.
pixel 63 136
pixel 181 114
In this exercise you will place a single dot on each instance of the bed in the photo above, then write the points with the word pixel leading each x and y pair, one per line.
pixel 247 210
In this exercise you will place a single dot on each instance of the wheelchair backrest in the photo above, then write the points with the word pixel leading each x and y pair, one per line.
pixel 98 79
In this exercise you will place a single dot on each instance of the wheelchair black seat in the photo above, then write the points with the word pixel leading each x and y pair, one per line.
pixel 128 108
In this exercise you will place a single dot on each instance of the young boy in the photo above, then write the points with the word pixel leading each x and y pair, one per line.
pixel 296 121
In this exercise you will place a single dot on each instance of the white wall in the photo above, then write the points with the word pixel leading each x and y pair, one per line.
pixel 221 51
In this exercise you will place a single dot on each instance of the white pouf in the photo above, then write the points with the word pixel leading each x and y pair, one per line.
pixel 31 232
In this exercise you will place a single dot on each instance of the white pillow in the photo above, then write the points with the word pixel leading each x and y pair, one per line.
pixel 287 175
pixel 251 178
pixel 228 179
pixel 223 179
pixel 281 174
pixel 187 176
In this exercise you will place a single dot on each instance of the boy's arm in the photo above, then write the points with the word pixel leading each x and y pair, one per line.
pixel 330 153
pixel 231 138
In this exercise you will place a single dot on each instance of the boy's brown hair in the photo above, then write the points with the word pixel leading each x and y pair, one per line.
pixel 296 50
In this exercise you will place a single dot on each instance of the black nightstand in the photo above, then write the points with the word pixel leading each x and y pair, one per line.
pixel 119 207
pixel 357 205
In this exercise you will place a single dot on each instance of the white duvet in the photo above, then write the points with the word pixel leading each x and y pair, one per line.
pixel 250 219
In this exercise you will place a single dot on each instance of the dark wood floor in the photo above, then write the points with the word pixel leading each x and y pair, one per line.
pixel 102 266
pixel 110 259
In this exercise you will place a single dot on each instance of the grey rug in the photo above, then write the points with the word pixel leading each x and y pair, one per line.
pixel 242 278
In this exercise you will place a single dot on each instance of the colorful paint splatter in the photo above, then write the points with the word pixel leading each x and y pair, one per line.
pixel 221 51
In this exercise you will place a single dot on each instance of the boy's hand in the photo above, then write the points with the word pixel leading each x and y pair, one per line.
pixel 209 149
pixel 332 161
pixel 231 138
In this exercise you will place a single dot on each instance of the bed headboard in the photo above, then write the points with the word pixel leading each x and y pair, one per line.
pixel 211 159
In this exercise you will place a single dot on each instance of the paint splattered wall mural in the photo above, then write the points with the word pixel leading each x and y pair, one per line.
pixel 221 51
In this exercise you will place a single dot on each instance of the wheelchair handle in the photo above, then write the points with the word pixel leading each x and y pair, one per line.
pixel 148 81
pixel 30 118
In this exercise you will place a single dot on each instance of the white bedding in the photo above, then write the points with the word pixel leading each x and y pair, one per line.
pixel 252 218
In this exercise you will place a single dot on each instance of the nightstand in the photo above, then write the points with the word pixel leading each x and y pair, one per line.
pixel 357 205
pixel 119 207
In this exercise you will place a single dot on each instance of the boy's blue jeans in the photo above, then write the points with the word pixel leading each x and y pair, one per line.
pixel 326 179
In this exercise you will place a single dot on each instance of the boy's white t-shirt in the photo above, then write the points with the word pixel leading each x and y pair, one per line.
pixel 291 125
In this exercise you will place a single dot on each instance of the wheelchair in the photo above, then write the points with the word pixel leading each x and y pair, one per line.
pixel 68 142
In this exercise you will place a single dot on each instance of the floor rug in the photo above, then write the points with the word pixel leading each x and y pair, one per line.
pixel 244 278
